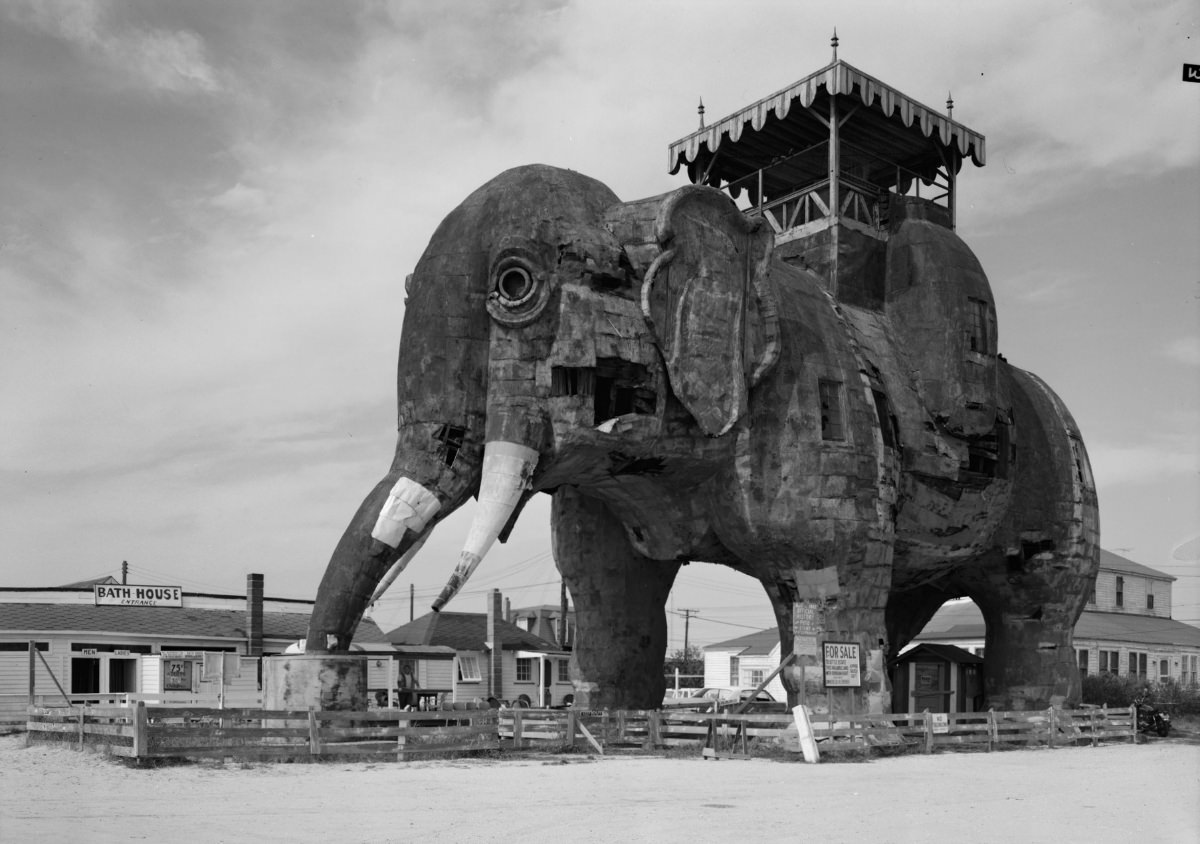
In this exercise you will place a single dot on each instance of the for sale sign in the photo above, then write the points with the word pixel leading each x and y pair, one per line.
pixel 841 664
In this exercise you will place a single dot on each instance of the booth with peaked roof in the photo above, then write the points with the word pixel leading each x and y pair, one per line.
pixel 832 163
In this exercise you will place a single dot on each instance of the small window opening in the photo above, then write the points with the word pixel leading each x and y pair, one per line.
pixel 622 387
pixel 572 381
pixel 1029 550
pixel 832 415
pixel 1149 600
pixel 1120 591
pixel 451 439
pixel 979 313
pixel 889 428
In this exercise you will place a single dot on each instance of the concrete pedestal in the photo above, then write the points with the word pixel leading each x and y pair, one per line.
pixel 315 681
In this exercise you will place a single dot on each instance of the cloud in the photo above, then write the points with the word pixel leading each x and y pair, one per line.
pixel 154 59
pixel 1160 459
pixel 1185 350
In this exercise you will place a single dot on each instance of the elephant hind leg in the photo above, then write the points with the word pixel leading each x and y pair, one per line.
pixel 620 598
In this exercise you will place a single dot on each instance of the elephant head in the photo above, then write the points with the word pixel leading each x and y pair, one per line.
pixel 548 330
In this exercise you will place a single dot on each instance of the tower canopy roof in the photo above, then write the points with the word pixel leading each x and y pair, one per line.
pixel 886 129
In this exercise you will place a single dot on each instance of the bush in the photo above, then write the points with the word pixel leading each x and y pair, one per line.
pixel 1112 691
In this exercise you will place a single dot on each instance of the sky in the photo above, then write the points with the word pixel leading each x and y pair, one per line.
pixel 207 211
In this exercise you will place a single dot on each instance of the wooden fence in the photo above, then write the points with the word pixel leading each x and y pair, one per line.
pixel 145 731
pixel 148 732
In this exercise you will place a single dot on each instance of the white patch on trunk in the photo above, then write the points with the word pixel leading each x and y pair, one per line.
pixel 409 506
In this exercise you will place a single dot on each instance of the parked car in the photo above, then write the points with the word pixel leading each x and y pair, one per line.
pixel 725 698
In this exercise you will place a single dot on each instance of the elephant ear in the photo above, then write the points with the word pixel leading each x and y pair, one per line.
pixel 707 301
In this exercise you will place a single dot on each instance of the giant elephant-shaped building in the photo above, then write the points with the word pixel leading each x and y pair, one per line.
pixel 688 389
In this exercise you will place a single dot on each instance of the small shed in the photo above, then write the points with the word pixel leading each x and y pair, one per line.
pixel 940 678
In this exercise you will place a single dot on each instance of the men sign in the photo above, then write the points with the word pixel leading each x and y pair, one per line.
pixel 841 666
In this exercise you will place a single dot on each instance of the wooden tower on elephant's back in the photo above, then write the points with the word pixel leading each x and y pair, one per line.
pixel 833 163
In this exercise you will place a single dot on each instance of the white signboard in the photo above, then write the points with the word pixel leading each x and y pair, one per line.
pixel 807 624
pixel 126 595
pixel 941 722
pixel 841 664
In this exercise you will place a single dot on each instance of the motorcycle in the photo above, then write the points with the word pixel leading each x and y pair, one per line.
pixel 1150 719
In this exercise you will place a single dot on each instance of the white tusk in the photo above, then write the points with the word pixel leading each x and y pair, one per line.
pixel 409 506
pixel 397 567
pixel 507 471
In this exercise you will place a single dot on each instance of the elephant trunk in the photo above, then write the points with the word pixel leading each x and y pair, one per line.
pixel 386 532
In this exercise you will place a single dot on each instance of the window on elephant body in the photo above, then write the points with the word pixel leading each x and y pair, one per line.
pixel 979 336
pixel 833 425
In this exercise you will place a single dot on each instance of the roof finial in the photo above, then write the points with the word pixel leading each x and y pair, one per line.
pixel 949 105
pixel 833 42
pixel 701 111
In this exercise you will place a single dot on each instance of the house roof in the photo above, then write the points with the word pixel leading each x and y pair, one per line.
pixel 1115 562
pixel 965 621
pixel 466 631
pixel 176 622
pixel 950 653
pixel 753 644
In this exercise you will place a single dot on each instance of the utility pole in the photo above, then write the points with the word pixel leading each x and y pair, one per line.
pixel 124 571
pixel 687 617
pixel 412 601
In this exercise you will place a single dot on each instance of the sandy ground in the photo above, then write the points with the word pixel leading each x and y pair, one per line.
pixel 1116 793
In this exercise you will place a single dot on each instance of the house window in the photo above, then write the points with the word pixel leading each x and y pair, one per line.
pixel 833 426
pixel 468 669
pixel 734 670
pixel 564 671
pixel 1108 662
pixel 756 676
pixel 980 316
pixel 1164 670
pixel 1083 663
pixel 1195 666
pixel 1092 596
pixel 1137 665
pixel 524 670
pixel 1149 600
pixel 1120 591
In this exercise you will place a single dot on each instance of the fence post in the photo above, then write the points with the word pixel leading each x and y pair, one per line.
pixel 517 727
pixel 928 732
pixel 1092 715
pixel 993 732
pixel 1132 724
pixel 139 730
pixel 82 715
pixel 572 720
pixel 654 728
pixel 314 733
pixel 1053 726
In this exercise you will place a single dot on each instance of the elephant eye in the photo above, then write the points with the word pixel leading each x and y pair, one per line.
pixel 519 292
pixel 514 286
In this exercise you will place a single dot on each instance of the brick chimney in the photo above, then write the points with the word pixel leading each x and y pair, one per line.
pixel 254 615
pixel 495 663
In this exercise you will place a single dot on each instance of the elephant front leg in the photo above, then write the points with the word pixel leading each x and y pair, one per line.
pixel 620 599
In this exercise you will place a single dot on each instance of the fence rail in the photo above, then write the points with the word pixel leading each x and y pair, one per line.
pixel 145 731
